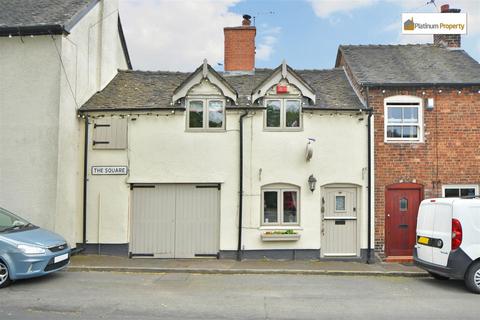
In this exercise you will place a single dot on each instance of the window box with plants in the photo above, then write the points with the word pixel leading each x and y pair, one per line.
pixel 283 235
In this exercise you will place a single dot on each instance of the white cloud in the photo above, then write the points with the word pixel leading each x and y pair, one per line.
pixel 472 8
pixel 324 8
pixel 177 35
pixel 268 39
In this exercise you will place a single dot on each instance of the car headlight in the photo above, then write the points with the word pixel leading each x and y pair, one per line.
pixel 30 249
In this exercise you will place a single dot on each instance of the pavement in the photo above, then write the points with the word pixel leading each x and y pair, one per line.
pixel 224 266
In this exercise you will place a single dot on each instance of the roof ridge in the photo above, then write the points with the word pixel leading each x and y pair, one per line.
pixel 152 71
pixel 390 45
pixel 319 70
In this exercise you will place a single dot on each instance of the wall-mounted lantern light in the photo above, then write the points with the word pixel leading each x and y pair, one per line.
pixel 312 182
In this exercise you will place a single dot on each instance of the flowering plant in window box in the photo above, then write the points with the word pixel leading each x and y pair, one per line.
pixel 280 235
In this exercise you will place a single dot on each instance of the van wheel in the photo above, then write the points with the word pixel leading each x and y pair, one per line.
pixel 437 276
pixel 4 275
pixel 472 278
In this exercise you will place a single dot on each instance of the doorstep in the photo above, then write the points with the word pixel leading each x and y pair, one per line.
pixel 398 259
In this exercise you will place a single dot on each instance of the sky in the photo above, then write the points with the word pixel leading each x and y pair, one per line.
pixel 176 35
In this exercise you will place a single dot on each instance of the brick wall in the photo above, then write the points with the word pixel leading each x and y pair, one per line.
pixel 450 153
pixel 448 40
pixel 239 48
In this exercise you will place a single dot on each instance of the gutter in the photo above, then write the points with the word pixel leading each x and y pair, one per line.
pixel 41 30
pixel 142 109
pixel 369 157
pixel 335 109
pixel 240 202
pixel 425 84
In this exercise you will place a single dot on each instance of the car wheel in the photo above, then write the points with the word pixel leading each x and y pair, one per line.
pixel 437 276
pixel 472 278
pixel 4 275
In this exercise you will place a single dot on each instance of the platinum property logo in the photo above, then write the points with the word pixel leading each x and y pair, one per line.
pixel 434 23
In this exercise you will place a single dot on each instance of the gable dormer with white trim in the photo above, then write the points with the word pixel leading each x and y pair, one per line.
pixel 282 95
pixel 204 81
pixel 205 95
pixel 284 81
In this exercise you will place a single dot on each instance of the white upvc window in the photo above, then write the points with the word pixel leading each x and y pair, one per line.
pixel 280 206
pixel 283 114
pixel 459 190
pixel 205 114
pixel 403 119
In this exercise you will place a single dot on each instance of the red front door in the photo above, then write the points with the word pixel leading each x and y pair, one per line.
pixel 401 207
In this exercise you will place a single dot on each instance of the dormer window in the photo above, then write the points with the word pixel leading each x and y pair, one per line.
pixel 283 114
pixel 206 114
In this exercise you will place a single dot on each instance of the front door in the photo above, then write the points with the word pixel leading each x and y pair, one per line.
pixel 339 225
pixel 401 208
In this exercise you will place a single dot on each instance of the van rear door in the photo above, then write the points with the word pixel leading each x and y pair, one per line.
pixel 425 225
pixel 442 233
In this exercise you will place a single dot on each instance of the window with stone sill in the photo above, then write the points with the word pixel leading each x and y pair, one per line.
pixel 205 114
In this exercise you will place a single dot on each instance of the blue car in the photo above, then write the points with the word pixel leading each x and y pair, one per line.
pixel 27 251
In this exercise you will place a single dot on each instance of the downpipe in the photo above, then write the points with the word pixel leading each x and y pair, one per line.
pixel 240 193
pixel 369 179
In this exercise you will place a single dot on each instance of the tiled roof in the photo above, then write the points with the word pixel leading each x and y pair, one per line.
pixel 410 65
pixel 145 89
pixel 31 13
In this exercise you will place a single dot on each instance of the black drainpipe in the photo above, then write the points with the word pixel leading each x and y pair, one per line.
pixel 77 249
pixel 85 179
pixel 369 157
pixel 240 200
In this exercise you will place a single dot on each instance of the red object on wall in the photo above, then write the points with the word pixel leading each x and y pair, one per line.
pixel 282 89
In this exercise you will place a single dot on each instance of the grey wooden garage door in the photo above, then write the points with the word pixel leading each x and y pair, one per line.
pixel 175 220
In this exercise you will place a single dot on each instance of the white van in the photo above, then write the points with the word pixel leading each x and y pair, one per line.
pixel 448 239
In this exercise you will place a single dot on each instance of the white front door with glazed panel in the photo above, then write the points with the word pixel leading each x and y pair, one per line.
pixel 339 223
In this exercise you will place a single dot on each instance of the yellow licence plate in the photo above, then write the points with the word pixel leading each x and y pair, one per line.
pixel 423 240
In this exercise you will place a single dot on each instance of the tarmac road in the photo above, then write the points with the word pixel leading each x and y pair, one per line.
pixel 108 295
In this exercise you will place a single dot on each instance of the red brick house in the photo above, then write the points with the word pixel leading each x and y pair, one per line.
pixel 426 101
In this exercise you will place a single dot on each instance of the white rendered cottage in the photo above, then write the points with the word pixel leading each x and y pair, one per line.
pixel 54 55
pixel 244 163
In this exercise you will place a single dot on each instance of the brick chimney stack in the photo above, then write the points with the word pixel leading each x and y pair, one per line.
pixel 240 47
pixel 448 40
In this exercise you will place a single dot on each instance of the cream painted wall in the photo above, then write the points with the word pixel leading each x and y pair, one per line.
pixel 340 156
pixel 90 61
pixel 41 137
pixel 162 151
pixel 29 102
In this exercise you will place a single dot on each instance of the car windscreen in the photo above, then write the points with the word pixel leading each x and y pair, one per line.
pixel 11 222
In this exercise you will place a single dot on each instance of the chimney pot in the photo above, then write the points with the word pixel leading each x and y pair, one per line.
pixel 246 20
pixel 444 8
